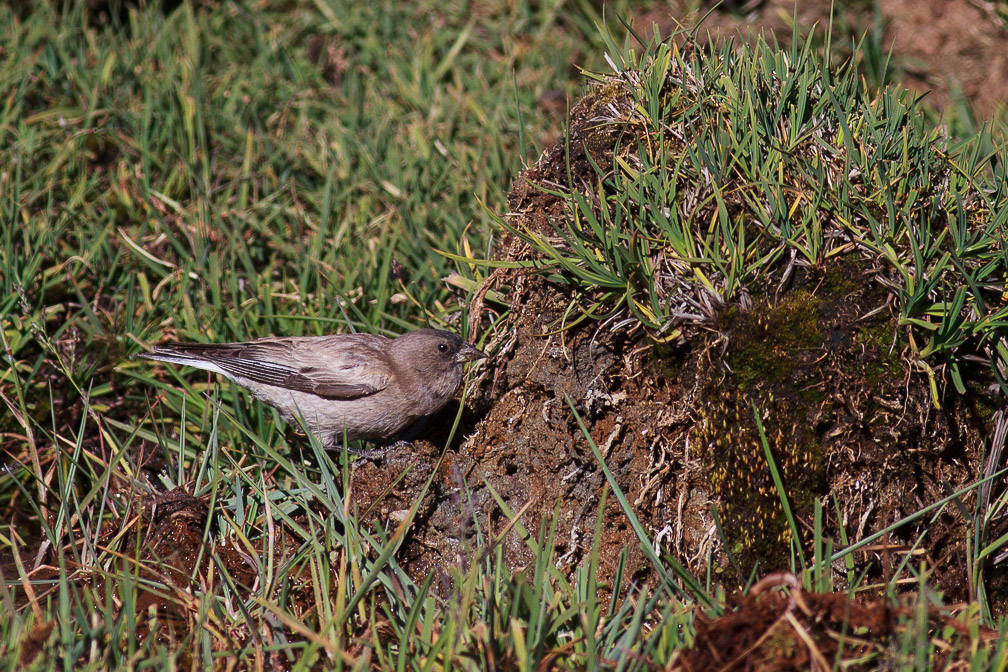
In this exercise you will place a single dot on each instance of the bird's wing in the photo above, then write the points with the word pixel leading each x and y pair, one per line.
pixel 332 367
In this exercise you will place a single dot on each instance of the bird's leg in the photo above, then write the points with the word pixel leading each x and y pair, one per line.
pixel 373 454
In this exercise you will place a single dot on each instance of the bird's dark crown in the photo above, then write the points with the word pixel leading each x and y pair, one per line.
pixel 424 347
pixel 427 343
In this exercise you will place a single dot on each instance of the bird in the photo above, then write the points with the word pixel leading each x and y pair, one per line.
pixel 352 386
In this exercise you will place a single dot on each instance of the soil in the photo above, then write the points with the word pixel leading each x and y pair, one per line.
pixel 954 51
pixel 780 627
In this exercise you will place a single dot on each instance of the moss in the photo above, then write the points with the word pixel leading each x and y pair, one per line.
pixel 800 362
pixel 670 361
pixel 765 346
pixel 740 476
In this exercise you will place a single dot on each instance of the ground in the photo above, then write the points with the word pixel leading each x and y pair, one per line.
pixel 845 410
pixel 824 369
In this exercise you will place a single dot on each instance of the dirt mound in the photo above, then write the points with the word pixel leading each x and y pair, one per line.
pixel 768 629
pixel 809 375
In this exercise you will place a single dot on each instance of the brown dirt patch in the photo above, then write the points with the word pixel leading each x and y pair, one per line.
pixel 770 629
pixel 952 50
pixel 163 546
pixel 950 46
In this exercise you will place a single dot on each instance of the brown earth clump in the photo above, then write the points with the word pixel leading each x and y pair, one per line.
pixel 776 630
pixel 172 566
pixel 848 415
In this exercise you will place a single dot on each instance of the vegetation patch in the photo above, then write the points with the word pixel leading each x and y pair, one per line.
pixel 765 238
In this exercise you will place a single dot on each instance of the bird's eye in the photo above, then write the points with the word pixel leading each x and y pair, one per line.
pixel 442 347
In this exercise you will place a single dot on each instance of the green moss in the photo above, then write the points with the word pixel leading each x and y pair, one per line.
pixel 766 346
pixel 800 362
pixel 882 347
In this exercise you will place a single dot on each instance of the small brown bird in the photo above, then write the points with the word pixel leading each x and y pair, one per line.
pixel 363 386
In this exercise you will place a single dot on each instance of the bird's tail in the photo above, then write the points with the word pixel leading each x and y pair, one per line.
pixel 196 355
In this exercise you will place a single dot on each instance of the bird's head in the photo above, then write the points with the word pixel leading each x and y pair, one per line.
pixel 434 351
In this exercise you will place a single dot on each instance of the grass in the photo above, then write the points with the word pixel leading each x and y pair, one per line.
pixel 226 171
pixel 784 164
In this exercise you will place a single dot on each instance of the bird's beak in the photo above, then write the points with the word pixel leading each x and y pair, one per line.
pixel 468 353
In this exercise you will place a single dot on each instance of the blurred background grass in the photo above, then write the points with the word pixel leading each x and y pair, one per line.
pixel 225 171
